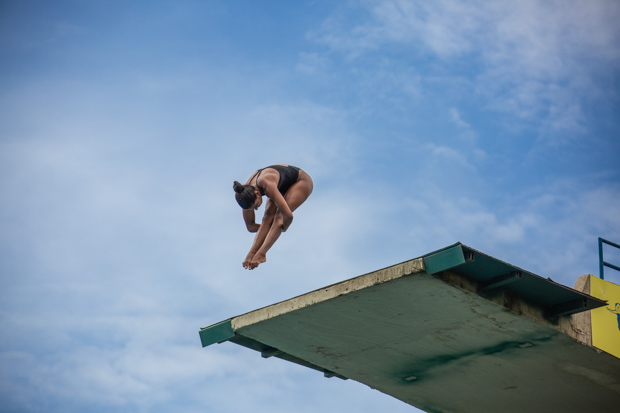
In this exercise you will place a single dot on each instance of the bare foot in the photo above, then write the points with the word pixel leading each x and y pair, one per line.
pixel 247 263
pixel 258 259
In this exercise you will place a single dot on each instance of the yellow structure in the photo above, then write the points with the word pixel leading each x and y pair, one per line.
pixel 606 320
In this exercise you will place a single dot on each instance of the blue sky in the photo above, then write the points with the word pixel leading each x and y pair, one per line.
pixel 422 124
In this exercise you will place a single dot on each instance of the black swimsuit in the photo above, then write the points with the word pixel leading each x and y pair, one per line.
pixel 288 176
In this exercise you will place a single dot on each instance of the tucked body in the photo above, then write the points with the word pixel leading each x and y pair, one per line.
pixel 286 188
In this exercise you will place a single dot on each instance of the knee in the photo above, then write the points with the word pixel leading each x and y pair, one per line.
pixel 278 218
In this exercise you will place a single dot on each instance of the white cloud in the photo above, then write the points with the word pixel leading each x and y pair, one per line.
pixel 121 236
pixel 311 63
pixel 455 117
pixel 551 231
pixel 119 239
pixel 450 155
pixel 538 59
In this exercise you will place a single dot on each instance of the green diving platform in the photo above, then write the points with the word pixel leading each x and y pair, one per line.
pixel 455 330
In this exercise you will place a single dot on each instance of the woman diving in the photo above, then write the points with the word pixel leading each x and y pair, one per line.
pixel 286 188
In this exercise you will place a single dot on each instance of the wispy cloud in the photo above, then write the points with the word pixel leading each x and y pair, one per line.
pixel 121 236
pixel 552 231
pixel 536 61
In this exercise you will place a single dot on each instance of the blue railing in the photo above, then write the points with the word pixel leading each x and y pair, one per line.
pixel 601 262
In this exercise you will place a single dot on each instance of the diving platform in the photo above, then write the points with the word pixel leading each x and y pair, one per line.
pixel 455 330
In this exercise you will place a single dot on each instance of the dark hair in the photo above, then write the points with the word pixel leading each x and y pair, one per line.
pixel 244 195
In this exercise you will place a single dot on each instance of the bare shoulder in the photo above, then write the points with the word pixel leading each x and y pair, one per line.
pixel 268 179
pixel 260 174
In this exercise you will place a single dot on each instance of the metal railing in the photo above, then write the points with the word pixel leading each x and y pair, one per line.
pixel 601 262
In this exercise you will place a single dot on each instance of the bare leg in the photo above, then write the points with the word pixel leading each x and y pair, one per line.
pixel 295 196
pixel 261 234
pixel 272 236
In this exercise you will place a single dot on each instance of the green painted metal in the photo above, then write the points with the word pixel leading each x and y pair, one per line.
pixel 502 280
pixel 601 262
pixel 493 274
pixel 216 333
pixel 569 307
pixel 268 351
pixel 444 259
